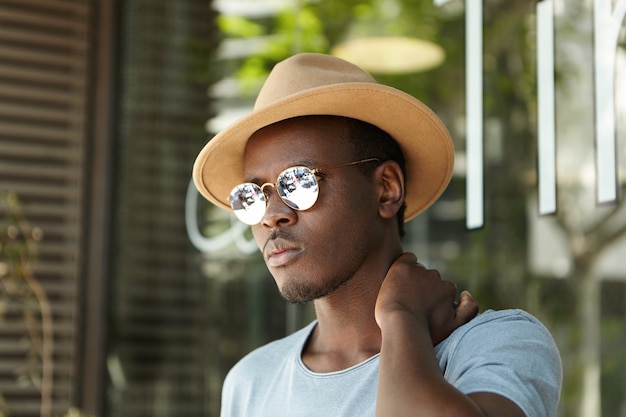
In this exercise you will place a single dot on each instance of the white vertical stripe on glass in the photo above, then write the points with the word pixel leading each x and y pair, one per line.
pixel 474 104
pixel 546 112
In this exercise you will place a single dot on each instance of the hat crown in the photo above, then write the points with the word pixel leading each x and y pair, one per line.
pixel 305 72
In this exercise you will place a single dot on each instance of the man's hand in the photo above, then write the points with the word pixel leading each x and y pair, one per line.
pixel 414 303
pixel 411 288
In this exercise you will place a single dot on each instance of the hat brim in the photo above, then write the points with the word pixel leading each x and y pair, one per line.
pixel 423 138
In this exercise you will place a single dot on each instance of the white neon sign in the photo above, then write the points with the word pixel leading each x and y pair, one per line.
pixel 233 235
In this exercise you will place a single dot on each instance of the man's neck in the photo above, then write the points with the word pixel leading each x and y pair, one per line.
pixel 346 333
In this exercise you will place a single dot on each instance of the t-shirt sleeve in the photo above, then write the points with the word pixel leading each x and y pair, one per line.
pixel 508 353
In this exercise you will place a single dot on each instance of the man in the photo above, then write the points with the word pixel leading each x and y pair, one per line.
pixel 326 170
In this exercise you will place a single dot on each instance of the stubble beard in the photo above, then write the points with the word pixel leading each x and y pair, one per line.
pixel 298 291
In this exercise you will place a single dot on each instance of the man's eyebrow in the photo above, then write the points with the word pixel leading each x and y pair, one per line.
pixel 251 180
pixel 309 163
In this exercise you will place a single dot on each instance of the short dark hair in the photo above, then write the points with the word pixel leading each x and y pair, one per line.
pixel 369 141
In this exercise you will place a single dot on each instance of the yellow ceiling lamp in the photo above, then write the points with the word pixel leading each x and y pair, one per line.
pixel 377 43
pixel 391 54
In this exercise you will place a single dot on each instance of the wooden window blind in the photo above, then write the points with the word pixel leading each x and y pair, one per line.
pixel 44 48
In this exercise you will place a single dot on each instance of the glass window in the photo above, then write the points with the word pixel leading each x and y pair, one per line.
pixel 517 85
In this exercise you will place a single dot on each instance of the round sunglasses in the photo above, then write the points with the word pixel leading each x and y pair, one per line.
pixel 297 187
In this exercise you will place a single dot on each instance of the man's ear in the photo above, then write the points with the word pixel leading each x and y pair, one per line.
pixel 390 180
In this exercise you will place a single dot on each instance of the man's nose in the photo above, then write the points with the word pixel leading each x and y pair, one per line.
pixel 277 212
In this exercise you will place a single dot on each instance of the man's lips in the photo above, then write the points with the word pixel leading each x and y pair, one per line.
pixel 280 253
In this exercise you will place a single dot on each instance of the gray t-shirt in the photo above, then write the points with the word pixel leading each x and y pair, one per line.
pixel 507 352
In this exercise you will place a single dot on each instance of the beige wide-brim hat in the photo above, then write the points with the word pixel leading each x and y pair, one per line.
pixel 318 84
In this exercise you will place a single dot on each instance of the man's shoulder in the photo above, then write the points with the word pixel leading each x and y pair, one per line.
pixel 508 352
pixel 511 315
pixel 505 333
pixel 493 327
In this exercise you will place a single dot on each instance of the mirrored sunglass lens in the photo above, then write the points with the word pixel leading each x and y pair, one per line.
pixel 298 187
pixel 248 203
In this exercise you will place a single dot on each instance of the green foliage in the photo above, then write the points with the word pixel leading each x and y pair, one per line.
pixel 19 286
pixel 304 33
pixel 239 27
pixel 288 32
pixel 17 248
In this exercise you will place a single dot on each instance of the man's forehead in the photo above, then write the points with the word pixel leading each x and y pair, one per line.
pixel 272 150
